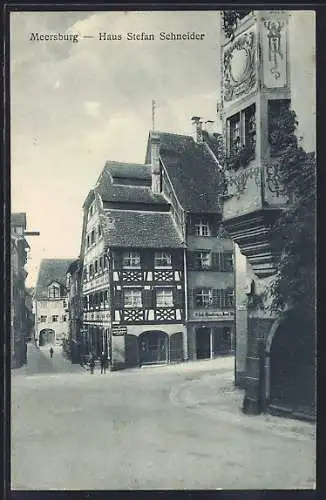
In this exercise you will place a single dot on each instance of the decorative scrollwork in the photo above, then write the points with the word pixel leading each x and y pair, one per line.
pixel 273 178
pixel 232 87
pixel 274 29
pixel 237 181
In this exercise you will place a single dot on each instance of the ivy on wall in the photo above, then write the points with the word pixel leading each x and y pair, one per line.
pixel 293 235
pixel 240 158
pixel 231 19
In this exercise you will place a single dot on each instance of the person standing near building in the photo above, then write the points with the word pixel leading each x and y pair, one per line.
pixel 103 363
pixel 92 364
pixel 51 352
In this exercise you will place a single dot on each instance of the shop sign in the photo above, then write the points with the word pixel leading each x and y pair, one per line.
pixel 213 314
pixel 119 331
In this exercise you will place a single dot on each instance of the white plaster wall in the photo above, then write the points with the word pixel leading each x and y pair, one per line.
pixel 49 308
pixel 302 47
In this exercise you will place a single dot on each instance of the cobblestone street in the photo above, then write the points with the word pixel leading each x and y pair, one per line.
pixel 148 428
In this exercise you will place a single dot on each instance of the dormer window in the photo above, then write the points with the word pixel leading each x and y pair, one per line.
pixel 54 291
pixel 202 227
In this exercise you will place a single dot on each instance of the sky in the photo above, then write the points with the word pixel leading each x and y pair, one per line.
pixel 76 105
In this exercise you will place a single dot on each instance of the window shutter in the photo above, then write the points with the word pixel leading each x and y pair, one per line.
pixel 213 226
pixel 215 261
pixel 148 298
pixel 147 260
pixel 177 259
pixel 178 298
pixel 117 259
pixel 191 261
pixel 118 299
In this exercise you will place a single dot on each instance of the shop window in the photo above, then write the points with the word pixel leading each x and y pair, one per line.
pixel 162 259
pixel 164 297
pixel 55 318
pixel 132 297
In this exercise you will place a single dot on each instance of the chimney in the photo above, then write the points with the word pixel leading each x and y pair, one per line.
pixel 155 162
pixel 209 124
pixel 197 129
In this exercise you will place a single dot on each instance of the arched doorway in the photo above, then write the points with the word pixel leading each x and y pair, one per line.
pixel 203 342
pixel 47 336
pixel 153 347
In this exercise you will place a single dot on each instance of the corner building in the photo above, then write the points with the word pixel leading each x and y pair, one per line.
pixel 133 271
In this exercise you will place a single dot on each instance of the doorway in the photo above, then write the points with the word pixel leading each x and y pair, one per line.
pixel 153 347
pixel 203 349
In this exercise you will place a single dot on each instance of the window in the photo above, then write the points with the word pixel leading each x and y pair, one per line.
pixel 100 264
pixel 43 319
pixel 235 134
pixel 96 267
pixel 131 259
pixel 88 241
pixel 202 228
pixel 132 297
pixel 92 237
pixel 203 297
pixel 64 318
pixel 55 318
pixel 91 270
pixel 54 292
pixel 203 260
pixel 99 231
pixel 162 259
pixel 164 297
pixel 242 130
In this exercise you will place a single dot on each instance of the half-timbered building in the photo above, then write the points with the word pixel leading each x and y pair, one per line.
pixel 133 271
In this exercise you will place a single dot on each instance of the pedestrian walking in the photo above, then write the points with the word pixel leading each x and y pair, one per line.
pixel 103 363
pixel 92 364
pixel 51 352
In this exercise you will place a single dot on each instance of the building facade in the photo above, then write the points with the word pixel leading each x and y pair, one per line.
pixel 51 302
pixel 262 56
pixel 133 271
pixel 190 178
pixel 74 310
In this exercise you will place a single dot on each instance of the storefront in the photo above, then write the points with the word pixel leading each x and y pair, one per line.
pixel 208 339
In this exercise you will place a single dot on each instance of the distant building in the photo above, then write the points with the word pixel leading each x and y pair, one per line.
pixel 73 286
pixel 20 327
pixel 51 302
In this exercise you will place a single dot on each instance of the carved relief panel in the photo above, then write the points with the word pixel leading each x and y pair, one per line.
pixel 274 51
pixel 239 67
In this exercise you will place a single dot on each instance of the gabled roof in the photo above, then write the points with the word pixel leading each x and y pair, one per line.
pixel 193 171
pixel 51 270
pixel 18 219
pixel 132 229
